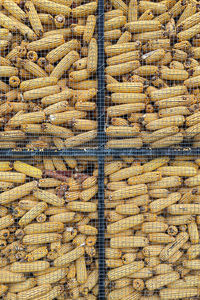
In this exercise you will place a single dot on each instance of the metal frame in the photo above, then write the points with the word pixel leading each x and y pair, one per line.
pixel 100 152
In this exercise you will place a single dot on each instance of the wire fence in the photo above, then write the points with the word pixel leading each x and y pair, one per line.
pixel 151 227
pixel 148 97
pixel 154 120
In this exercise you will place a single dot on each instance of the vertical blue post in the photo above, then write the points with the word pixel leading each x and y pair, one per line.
pixel 101 145
pixel 101 224
pixel 101 79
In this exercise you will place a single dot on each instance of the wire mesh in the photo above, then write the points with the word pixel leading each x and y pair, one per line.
pixel 49 228
pixel 152 227
pixel 48 67
pixel 52 100
pixel 151 76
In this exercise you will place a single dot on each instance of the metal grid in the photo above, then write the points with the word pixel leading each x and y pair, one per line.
pixel 103 124
pixel 48 70
pixel 101 152
pixel 152 88
pixel 49 211
pixel 152 227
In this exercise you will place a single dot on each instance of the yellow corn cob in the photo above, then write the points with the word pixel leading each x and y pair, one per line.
pixel 153 227
pixel 130 143
pixel 166 122
pixel 88 230
pixel 124 57
pixel 49 197
pixel 80 139
pixel 131 87
pixel 29 267
pixel 24 29
pixel 59 52
pixel 145 178
pixel 8 71
pixel 43 227
pixel 148 15
pixel 114 23
pixel 21 286
pixel 35 291
pixel 36 239
pixel 5 34
pixel 132 11
pixel 65 64
pixel 5 166
pixel 77 76
pixel 69 257
pixel 122 68
pixel 51 7
pixel 28 118
pixel 113 13
pixel 174 74
pixel 120 292
pixel 34 69
pixel 161 280
pixel 10 277
pixel 178 171
pixel 81 270
pixel 34 18
pixel 45 43
pixel 33 213
pixel 55 292
pixel 168 92
pixel 65 217
pixel 41 92
pixel 183 209
pixel 171 248
pixel 168 141
pixel 171 293
pixel 3 289
pixel 51 277
pixel 80 206
pixel 92 56
pixel 128 192
pixel 142 26
pixel 27 169
pixel 119 4
pixel 124 224
pixel 36 83
pixel 128 242
pixel 14 10
pixel 6 221
pixel 125 270
pixel 165 182
pixel 82 124
pixel 8 23
pixel 13 177
pixel 122 48
pixel 84 10
pixel 17 192
pixel 125 173
pixel 37 254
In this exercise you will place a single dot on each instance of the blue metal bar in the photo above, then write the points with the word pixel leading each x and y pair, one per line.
pixel 101 79
pixel 101 148
pixel 153 152
pixel 47 152
pixel 102 152
pixel 101 229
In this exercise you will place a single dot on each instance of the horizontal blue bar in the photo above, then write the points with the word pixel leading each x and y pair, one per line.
pixel 100 152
